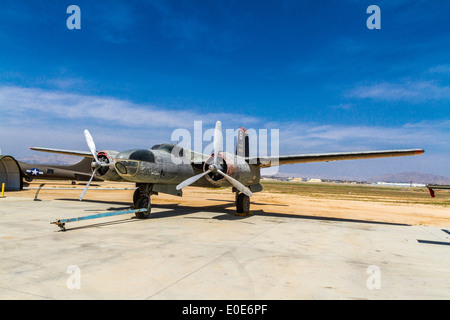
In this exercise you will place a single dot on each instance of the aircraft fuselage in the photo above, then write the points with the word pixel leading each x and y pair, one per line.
pixel 56 172
pixel 160 167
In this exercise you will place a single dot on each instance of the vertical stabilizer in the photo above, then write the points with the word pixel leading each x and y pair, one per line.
pixel 242 148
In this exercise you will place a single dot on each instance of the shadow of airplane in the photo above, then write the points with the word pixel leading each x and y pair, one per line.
pixel 255 203
pixel 96 201
pixel 226 211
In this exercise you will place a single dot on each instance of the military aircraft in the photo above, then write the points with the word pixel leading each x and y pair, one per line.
pixel 80 171
pixel 431 188
pixel 155 170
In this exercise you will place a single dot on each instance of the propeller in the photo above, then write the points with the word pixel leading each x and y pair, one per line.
pixel 96 164
pixel 214 167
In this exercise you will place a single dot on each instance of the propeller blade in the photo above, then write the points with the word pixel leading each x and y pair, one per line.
pixel 191 180
pixel 91 144
pixel 217 140
pixel 236 184
pixel 87 184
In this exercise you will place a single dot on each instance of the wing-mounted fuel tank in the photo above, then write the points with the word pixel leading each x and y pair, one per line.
pixel 108 173
pixel 234 166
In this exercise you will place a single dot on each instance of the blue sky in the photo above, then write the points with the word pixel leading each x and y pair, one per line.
pixel 137 70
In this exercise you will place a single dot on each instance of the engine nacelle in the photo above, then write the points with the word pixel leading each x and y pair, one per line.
pixel 233 166
pixel 108 173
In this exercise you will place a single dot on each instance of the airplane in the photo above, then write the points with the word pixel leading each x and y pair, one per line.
pixel 432 187
pixel 154 170
pixel 80 171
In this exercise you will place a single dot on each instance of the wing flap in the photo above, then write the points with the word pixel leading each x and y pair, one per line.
pixel 264 162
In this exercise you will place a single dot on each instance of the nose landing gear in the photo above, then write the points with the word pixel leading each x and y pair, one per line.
pixel 242 204
pixel 142 200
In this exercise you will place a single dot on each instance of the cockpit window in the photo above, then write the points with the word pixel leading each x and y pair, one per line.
pixel 164 147
pixel 142 155
pixel 121 168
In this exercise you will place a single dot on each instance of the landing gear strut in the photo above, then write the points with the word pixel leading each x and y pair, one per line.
pixel 141 199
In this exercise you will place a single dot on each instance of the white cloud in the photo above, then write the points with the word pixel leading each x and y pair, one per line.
pixel 432 136
pixel 46 118
pixel 33 103
pixel 411 91
pixel 37 117
pixel 307 138
pixel 441 69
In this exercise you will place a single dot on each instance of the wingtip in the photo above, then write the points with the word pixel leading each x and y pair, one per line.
pixel 419 151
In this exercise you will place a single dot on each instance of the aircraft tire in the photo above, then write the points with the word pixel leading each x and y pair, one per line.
pixel 144 202
pixel 242 203
pixel 136 195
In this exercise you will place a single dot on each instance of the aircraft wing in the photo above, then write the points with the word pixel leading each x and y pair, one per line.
pixel 431 188
pixel 264 162
pixel 438 186
pixel 86 154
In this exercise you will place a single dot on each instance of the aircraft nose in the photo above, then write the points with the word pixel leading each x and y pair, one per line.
pixel 127 162
pixel 127 167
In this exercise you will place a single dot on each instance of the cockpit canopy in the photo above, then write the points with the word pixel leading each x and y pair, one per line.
pixel 167 147
pixel 137 154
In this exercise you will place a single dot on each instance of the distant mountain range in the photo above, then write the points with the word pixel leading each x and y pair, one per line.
pixel 414 177
pixel 404 177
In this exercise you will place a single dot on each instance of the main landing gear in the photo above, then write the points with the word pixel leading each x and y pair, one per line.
pixel 141 199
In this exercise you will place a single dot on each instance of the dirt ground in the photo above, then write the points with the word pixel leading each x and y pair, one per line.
pixel 273 201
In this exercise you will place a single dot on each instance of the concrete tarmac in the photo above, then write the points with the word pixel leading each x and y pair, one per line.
pixel 204 253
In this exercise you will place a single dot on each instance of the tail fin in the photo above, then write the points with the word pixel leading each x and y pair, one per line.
pixel 242 143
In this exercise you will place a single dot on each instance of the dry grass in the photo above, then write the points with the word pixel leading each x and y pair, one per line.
pixel 360 192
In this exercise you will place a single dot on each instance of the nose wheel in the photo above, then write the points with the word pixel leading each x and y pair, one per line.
pixel 242 204
pixel 142 200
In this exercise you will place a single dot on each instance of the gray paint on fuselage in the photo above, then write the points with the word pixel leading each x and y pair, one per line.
pixel 164 170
